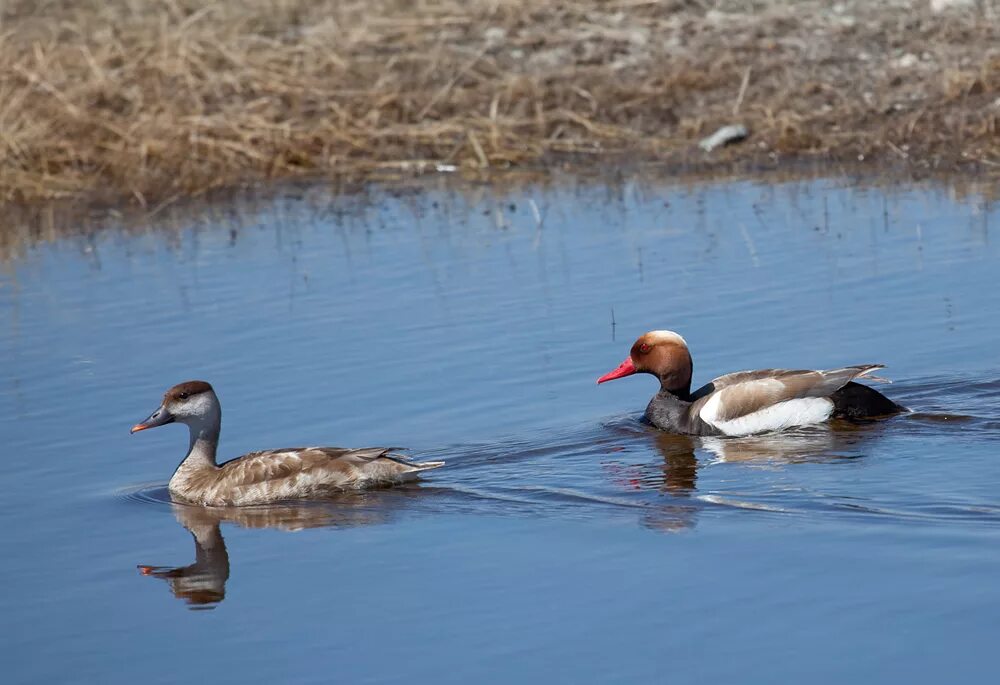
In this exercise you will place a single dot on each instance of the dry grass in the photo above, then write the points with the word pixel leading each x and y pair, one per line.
pixel 153 99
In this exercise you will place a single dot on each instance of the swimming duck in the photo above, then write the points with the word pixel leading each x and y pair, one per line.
pixel 271 475
pixel 747 402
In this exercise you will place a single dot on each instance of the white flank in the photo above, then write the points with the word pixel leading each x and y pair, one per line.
pixel 799 412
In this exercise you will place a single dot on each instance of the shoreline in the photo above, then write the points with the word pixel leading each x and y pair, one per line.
pixel 137 104
pixel 30 224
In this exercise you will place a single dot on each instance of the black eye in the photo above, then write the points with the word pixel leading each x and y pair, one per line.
pixel 182 396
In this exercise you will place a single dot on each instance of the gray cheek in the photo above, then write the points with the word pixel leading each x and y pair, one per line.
pixel 196 406
pixel 182 410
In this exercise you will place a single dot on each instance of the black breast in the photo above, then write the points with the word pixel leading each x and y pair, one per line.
pixel 672 414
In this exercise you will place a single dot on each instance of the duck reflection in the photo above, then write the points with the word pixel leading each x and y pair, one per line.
pixel 814 443
pixel 683 456
pixel 202 585
pixel 679 469
pixel 676 475
pixel 680 465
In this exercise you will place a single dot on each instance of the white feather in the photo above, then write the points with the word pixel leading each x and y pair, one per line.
pixel 798 412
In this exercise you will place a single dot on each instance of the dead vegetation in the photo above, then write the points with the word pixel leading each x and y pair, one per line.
pixel 155 99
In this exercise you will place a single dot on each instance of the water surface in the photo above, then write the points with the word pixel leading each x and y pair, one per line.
pixel 564 540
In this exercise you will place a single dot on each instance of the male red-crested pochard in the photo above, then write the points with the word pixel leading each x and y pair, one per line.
pixel 746 402
pixel 271 475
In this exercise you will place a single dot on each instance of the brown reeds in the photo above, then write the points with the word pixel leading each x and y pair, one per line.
pixel 155 99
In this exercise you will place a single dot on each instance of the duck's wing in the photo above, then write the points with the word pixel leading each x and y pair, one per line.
pixel 748 401
pixel 336 465
pixel 371 463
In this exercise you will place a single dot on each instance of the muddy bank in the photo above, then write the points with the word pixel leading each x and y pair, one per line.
pixel 152 101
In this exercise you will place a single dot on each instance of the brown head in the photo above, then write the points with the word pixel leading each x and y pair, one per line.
pixel 188 402
pixel 661 353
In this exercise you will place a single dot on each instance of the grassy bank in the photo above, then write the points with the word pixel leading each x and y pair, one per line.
pixel 150 100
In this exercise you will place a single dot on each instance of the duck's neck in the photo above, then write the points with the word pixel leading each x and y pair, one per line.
pixel 204 442
pixel 668 386
pixel 676 379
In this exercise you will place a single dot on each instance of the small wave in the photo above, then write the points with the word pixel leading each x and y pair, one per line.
pixel 146 493
pixel 568 494
pixel 742 504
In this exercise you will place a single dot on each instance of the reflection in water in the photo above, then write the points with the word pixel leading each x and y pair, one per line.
pixel 203 584
pixel 814 443
pixel 676 475
pixel 680 465
pixel 803 444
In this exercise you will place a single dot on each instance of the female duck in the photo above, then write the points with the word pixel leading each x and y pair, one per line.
pixel 746 402
pixel 269 476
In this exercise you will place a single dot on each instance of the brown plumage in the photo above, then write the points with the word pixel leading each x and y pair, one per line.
pixel 270 475
pixel 746 402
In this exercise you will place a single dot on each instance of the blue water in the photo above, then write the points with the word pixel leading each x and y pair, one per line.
pixel 564 541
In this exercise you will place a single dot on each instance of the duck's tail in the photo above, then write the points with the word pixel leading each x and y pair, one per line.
pixel 424 465
pixel 866 372
pixel 404 469
pixel 412 470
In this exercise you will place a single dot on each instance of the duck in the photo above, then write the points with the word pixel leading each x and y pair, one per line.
pixel 269 475
pixel 747 402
